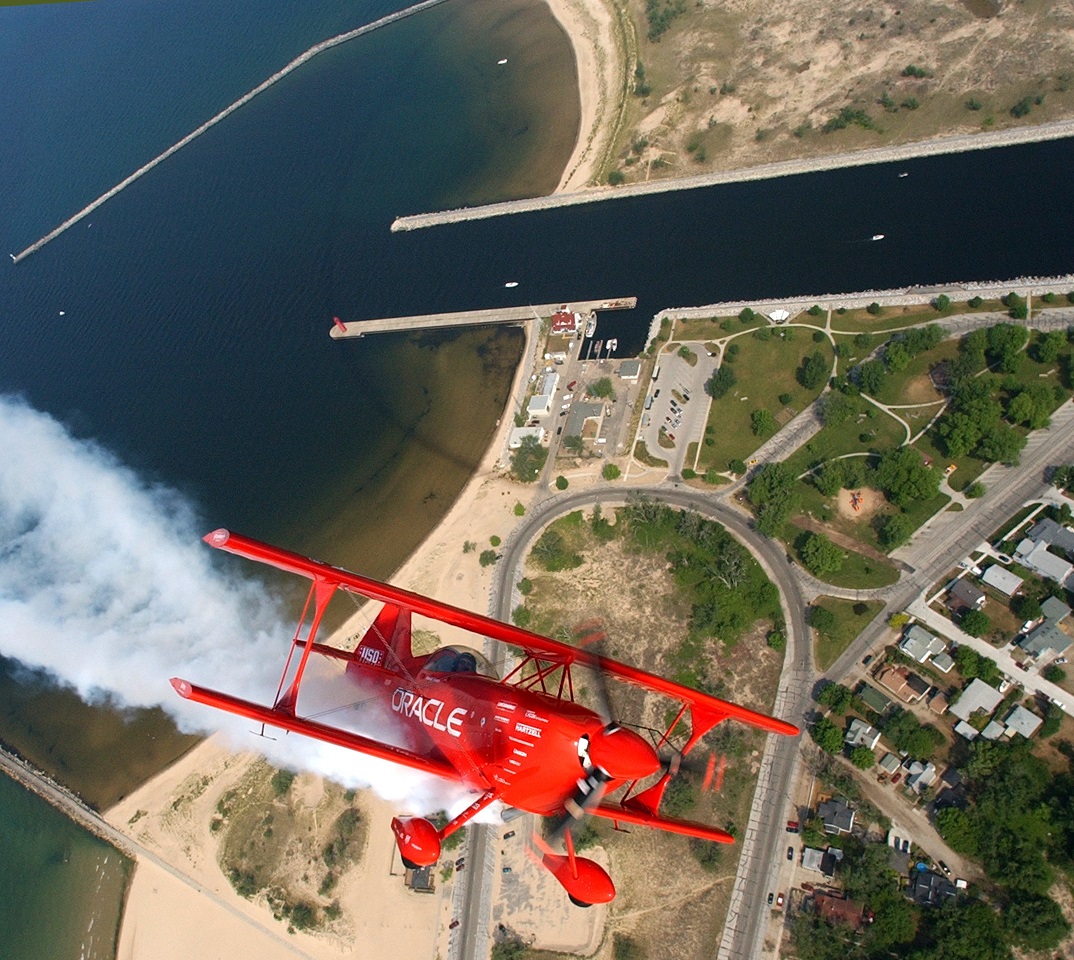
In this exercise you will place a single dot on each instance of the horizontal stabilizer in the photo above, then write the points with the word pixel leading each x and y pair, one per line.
pixel 643 818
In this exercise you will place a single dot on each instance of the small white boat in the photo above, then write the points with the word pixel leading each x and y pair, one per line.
pixel 903 174
pixel 500 63
pixel 511 283
pixel 62 312
pixel 878 236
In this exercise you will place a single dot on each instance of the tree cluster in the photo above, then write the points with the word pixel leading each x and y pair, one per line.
pixel 528 460
pixel 771 493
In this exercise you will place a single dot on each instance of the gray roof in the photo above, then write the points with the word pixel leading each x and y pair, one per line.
pixel 889 763
pixel 1048 636
pixel 1054 609
pixel 943 662
pixel 1052 533
pixel 1020 720
pixel 918 644
pixel 837 816
pixel 994 730
pixel 930 889
pixel 920 775
pixel 1036 556
pixel 580 412
pixel 860 734
pixel 1002 579
pixel 629 369
pixel 963 729
pixel 977 696
pixel 965 592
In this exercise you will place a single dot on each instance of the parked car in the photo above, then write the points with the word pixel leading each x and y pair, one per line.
pixel 1060 660
pixel 944 867
pixel 779 902
pixel 790 853
pixel 895 779
pixel 506 869
pixel 771 897
pixel 453 924
pixel 792 826
pixel 509 834
pixel 867 660
pixel 459 863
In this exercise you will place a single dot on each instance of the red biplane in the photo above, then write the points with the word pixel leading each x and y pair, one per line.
pixel 522 740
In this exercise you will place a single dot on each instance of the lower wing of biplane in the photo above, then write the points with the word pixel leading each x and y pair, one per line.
pixel 544 670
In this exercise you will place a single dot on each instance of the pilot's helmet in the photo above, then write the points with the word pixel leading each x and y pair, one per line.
pixel 466 663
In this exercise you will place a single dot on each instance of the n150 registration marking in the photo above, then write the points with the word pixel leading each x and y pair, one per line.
pixel 428 710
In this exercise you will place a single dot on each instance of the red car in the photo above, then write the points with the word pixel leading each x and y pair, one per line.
pixel 895 779
pixel 792 826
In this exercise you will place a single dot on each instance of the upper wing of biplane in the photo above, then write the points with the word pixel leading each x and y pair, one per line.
pixel 704 711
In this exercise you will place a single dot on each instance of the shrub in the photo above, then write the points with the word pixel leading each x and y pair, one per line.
pixel 737 466
pixel 487 558
pixel 611 472
pixel 874 308
pixel 561 483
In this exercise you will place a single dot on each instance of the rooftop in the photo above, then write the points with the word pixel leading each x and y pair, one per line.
pixel 1036 556
pixel 918 644
pixel 1053 534
pixel 1002 579
pixel 977 696
pixel 837 815
pixel 1020 720
pixel 1048 636
pixel 965 594
pixel 861 734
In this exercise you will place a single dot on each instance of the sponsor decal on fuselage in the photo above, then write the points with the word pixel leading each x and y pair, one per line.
pixel 370 655
pixel 428 710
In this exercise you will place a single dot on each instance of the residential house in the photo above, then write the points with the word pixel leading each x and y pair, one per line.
pixel 822 861
pixel 938 703
pixel 964 730
pixel 1020 720
pixel 873 698
pixel 930 889
pixel 1048 635
pixel 837 815
pixel 943 662
pixel 904 684
pixel 836 908
pixel 565 323
pixel 994 730
pixel 964 596
pixel 918 644
pixel 1037 556
pixel 977 696
pixel 518 434
pixel 1049 532
pixel 919 776
pixel 889 763
pixel 1001 579
pixel 860 734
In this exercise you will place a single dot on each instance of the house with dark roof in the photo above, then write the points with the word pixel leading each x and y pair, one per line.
pixel 928 889
pixel 1049 532
pixel 1048 635
pixel 904 684
pixel 874 699
pixel 964 596
pixel 837 815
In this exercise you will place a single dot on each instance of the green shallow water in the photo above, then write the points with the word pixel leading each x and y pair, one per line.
pixel 61 888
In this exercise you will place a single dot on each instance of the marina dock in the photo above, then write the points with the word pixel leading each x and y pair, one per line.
pixel 473 318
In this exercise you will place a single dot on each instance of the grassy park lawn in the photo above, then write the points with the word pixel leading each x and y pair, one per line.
pixel 913 385
pixel 859 320
pixel 715 328
pixel 848 624
pixel 858 571
pixel 729 427
pixel 872 431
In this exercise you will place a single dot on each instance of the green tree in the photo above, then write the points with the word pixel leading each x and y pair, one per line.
pixel 976 623
pixel 1054 674
pixel 552 553
pixel 1035 922
pixel 1047 348
pixel 611 472
pixel 820 555
pixel 942 303
pixel 904 478
pixel 770 491
pixel 762 423
pixel 720 382
pixel 1001 444
pixel 573 443
pixel 831 478
pixel 874 309
pixel 737 466
pixel 871 376
pixel 827 735
pixel 862 757
pixel 603 389
pixel 814 370
pixel 562 483
pixel 1026 607
pixel 893 530
pixel 1032 406
pixel 821 619
pixel 746 315
pixel 528 460
pixel 836 697
pixel 974 491
pixel 960 829
pixel 487 558
pixel 836 407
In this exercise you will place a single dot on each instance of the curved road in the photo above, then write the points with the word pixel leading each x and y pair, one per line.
pixel 763 833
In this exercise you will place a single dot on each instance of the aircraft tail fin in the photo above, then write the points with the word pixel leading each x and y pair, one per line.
pixel 386 644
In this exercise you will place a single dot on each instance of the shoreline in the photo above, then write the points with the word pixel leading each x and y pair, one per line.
pixel 956 143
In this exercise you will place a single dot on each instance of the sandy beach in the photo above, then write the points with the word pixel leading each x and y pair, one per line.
pixel 598 48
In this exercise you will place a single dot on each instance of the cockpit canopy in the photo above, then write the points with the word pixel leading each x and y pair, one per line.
pixel 458 659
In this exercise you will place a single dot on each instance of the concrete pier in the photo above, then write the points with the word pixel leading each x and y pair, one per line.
pixel 246 98
pixel 473 318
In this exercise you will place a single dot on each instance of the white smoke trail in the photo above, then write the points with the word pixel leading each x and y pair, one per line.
pixel 105 583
